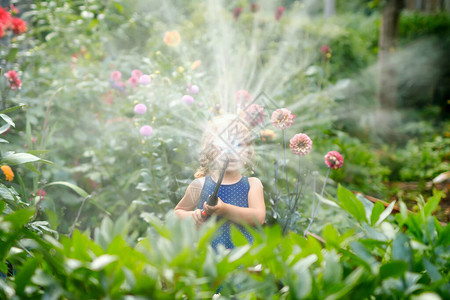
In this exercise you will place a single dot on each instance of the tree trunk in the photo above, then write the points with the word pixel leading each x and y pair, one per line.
pixel 387 72
pixel 329 8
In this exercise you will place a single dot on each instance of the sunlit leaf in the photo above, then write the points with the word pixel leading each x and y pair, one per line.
pixel 72 186
pixel 385 213
pixel 351 204
pixel 102 261
pixel 377 209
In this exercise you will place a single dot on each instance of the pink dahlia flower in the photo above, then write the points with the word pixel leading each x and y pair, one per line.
pixel 300 144
pixel 254 114
pixel 133 81
pixel 334 160
pixel 282 118
pixel 145 80
pixel 146 130
pixel 136 73
pixel 187 99
pixel 140 109
pixel 115 76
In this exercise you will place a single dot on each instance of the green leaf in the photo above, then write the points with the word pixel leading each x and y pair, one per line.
pixel 326 201
pixel 351 204
pixel 102 261
pixel 444 236
pixel 432 204
pixel 22 158
pixel 333 270
pixel 401 249
pixel 431 270
pixel 25 273
pixel 385 213
pixel 11 56
pixel 8 120
pixel 20 217
pixel 72 186
pixel 238 237
pixel 13 108
pixel 4 128
pixel 394 268
pixel 3 141
pixel 376 212
pixel 119 7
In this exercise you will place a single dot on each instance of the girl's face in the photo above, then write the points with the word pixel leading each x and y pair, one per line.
pixel 233 147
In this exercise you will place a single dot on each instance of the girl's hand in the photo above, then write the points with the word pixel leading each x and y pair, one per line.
pixel 197 216
pixel 218 209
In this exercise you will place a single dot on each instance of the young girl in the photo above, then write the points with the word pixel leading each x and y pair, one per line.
pixel 241 199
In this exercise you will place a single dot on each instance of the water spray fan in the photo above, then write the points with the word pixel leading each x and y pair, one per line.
pixel 212 200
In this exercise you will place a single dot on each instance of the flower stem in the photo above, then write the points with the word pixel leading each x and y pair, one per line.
pixel 316 209
pixel 285 167
pixel 78 215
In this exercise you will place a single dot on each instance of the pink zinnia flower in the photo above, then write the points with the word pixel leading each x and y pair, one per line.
pixel 254 114
pixel 282 118
pixel 140 109
pixel 192 89
pixel 279 12
pixel 13 80
pixel 187 99
pixel 133 81
pixel 237 12
pixel 334 160
pixel 115 76
pixel 136 73
pixel 300 144
pixel 145 80
pixel 146 130
pixel 18 26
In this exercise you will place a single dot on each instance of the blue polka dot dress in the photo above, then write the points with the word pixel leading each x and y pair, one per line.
pixel 234 194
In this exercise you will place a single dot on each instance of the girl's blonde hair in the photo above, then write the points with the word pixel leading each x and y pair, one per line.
pixel 217 129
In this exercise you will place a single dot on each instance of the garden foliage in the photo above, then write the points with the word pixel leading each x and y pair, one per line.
pixel 103 106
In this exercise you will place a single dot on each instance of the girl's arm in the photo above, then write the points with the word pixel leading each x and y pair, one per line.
pixel 253 215
pixel 186 206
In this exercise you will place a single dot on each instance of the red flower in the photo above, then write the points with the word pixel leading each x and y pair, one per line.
pixel 5 18
pixel 254 7
pixel 41 193
pixel 279 12
pixel 14 81
pixel 18 26
pixel 334 160
pixel 237 12
pixel 2 33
